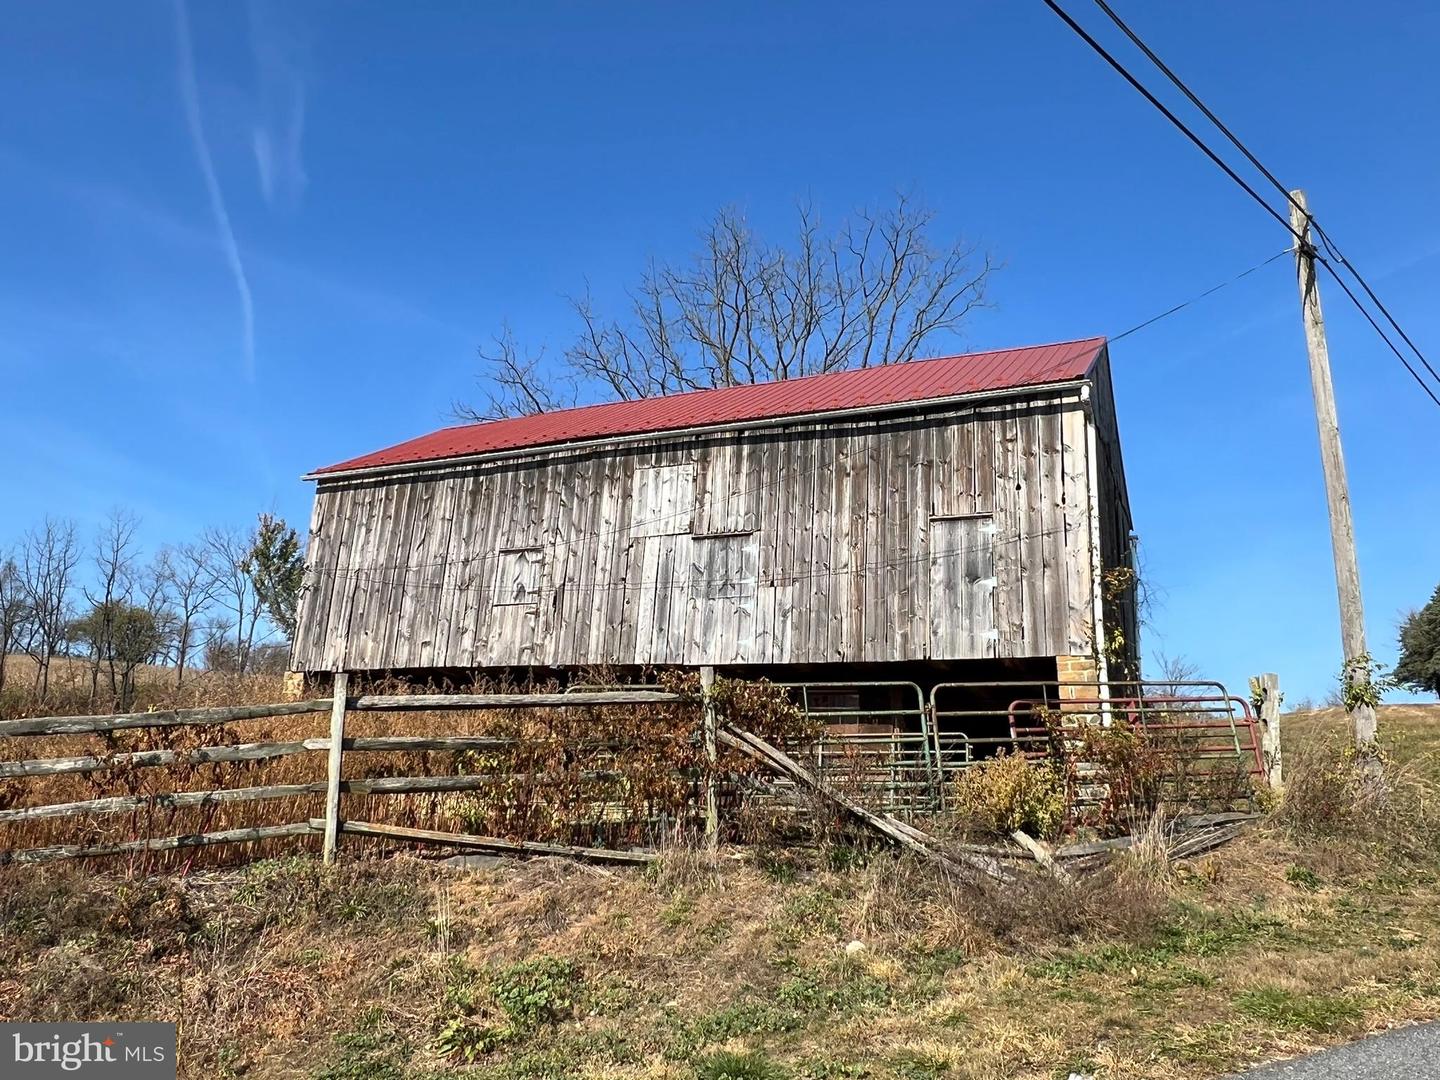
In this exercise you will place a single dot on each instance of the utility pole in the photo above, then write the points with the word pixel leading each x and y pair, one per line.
pixel 1356 673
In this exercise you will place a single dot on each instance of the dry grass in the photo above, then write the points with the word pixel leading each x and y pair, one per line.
pixel 399 969
pixel 155 688
pixel 1289 939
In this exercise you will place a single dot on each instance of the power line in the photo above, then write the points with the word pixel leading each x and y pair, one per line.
pixel 1371 320
pixel 1255 161
pixel 1204 148
pixel 1195 299
pixel 1141 88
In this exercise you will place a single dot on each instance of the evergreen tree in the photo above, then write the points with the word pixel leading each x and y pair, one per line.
pixel 1419 666
pixel 276 566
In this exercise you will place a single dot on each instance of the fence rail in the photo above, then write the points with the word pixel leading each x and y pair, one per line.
pixel 225 714
pixel 334 747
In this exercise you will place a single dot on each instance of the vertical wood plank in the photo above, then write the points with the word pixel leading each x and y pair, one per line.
pixel 1009 483
pixel 1076 510
pixel 334 761
pixel 1266 689
pixel 712 757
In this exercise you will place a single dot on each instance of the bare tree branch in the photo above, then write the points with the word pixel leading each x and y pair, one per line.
pixel 49 555
pixel 741 310
pixel 518 386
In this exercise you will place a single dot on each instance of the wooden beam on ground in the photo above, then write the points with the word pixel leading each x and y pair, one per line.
pixel 419 702
pixel 902 833
pixel 80 725
pixel 492 843
pixel 1094 847
pixel 169 843
pixel 1187 836
pixel 1199 841
pixel 1040 853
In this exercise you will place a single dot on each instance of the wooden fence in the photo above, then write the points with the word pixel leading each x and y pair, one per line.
pixel 330 826
pixel 696 762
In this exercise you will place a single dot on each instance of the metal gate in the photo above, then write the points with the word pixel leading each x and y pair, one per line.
pixel 883 755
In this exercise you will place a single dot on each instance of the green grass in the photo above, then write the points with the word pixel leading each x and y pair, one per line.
pixel 727 1065
pixel 1191 934
pixel 1325 1013
pixel 374 1051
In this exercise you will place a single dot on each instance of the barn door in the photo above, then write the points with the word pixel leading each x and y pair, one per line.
pixel 962 587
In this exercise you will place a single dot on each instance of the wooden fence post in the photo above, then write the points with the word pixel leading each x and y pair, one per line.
pixel 1266 691
pixel 712 779
pixel 332 785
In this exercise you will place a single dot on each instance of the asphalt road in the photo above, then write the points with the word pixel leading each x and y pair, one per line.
pixel 1411 1053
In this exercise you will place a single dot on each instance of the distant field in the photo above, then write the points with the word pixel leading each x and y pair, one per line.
pixel 155 686
pixel 1410 733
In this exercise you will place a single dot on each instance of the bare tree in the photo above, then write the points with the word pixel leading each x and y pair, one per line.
pixel 743 311
pixel 13 611
pixel 191 580
pixel 233 590
pixel 49 555
pixel 114 561
pixel 1175 672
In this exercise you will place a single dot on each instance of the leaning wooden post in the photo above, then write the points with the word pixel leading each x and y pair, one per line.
pixel 332 784
pixel 1265 689
pixel 712 778
pixel 1359 692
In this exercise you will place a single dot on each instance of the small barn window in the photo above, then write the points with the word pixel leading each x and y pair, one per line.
pixel 518 573
pixel 662 500
pixel 725 567
pixel 727 496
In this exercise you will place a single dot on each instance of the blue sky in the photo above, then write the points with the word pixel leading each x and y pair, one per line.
pixel 193 315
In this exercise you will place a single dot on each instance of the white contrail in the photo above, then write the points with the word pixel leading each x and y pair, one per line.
pixel 278 136
pixel 190 96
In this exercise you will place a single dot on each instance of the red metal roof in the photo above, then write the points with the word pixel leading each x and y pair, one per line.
pixel 888 384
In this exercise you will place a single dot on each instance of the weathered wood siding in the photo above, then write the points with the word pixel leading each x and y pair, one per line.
pixel 1121 613
pixel 950 534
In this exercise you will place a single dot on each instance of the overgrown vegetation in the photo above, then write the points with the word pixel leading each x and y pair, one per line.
pixel 1316 927
pixel 607 776
pixel 1011 792
pixel 1077 774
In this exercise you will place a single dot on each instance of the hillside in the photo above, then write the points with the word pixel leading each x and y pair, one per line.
pixel 837 963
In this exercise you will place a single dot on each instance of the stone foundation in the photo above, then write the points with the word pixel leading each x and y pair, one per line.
pixel 1079 678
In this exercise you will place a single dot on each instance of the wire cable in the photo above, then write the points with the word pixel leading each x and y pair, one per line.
pixel 1259 165
pixel 1204 148
pixel 1195 299
pixel 1184 128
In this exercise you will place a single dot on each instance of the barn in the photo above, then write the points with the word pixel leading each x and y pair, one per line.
pixel 954 521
